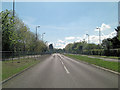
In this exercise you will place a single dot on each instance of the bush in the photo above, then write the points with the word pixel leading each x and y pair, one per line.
pixel 111 52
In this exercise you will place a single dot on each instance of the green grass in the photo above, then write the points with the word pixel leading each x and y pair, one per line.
pixel 99 62
pixel 10 67
pixel 0 71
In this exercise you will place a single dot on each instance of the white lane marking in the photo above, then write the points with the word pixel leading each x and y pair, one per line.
pixel 66 70
pixel 62 63
pixel 64 66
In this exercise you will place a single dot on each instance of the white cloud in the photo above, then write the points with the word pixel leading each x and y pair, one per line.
pixel 95 38
pixel 59 45
pixel 60 41
pixel 77 40
pixel 103 27
pixel 92 39
pixel 69 38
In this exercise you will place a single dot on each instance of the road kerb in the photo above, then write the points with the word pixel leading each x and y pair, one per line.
pixel 16 74
pixel 106 69
pixel 98 66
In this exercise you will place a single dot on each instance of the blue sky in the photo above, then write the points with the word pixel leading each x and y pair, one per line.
pixel 67 22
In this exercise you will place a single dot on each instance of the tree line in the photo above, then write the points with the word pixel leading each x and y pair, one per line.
pixel 108 47
pixel 17 37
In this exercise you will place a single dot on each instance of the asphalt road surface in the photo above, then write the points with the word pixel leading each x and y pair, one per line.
pixel 59 71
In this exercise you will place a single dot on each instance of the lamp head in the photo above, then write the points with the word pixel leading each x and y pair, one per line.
pixel 97 28
pixel 38 26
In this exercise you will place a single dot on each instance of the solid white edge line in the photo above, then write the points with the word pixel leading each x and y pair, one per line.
pixel 100 67
pixel 72 60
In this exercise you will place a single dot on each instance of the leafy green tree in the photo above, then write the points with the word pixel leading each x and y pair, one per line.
pixel 76 47
pixel 116 40
pixel 8 33
pixel 107 44
pixel 118 32
pixel 16 36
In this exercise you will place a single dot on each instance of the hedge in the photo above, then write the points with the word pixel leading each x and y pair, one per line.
pixel 111 52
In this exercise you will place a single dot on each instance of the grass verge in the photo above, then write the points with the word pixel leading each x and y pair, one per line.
pixel 10 67
pixel 115 66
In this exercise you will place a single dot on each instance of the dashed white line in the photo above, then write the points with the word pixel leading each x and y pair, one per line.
pixel 66 70
pixel 64 66
pixel 62 63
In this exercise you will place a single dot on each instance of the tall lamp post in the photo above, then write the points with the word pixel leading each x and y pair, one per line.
pixel 36 35
pixel 99 35
pixel 88 38
pixel 88 43
pixel 14 48
pixel 42 36
pixel 13 9
pixel 36 31
pixel 99 38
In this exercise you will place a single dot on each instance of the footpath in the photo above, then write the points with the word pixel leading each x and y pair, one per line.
pixel 106 59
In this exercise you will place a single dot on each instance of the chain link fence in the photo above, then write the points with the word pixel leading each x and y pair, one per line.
pixel 10 55
pixel 102 52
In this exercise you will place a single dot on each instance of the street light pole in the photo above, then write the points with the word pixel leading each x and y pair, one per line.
pixel 13 10
pixel 36 31
pixel 88 43
pixel 99 39
pixel 14 46
pixel 99 35
pixel 88 38
pixel 36 35
pixel 42 36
